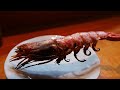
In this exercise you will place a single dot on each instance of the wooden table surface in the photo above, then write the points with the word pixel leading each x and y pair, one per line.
pixel 109 54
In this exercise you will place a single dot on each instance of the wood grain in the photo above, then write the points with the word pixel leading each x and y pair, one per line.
pixel 109 53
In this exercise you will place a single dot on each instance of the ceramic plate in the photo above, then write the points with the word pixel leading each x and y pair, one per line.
pixel 66 70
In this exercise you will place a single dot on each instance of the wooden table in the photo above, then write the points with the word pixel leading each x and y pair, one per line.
pixel 109 53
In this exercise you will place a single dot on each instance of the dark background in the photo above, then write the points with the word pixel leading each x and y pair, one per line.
pixel 18 22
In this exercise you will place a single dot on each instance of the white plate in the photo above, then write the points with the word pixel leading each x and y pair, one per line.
pixel 66 70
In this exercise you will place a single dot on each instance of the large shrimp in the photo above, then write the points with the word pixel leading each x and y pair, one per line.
pixel 57 48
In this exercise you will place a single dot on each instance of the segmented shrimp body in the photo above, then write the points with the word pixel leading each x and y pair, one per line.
pixel 57 48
